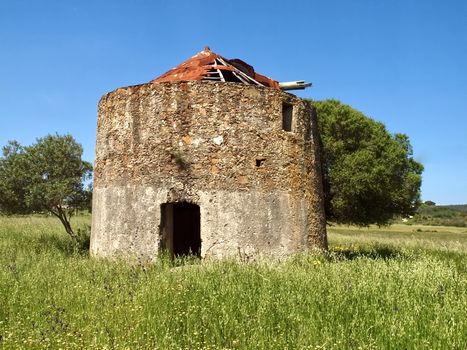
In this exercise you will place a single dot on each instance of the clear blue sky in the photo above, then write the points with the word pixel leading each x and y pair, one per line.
pixel 401 62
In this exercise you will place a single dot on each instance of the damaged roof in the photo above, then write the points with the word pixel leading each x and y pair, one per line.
pixel 208 65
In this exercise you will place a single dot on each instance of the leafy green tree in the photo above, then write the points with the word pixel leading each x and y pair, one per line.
pixel 369 175
pixel 46 176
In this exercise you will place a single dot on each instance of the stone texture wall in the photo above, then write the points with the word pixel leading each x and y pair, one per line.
pixel 218 145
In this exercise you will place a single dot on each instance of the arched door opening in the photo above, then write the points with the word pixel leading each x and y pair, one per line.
pixel 181 228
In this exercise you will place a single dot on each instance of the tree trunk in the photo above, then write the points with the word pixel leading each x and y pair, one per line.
pixel 61 215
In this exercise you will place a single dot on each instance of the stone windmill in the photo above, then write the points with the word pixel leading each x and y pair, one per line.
pixel 211 158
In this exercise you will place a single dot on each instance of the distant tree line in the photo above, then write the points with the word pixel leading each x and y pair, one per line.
pixel 440 215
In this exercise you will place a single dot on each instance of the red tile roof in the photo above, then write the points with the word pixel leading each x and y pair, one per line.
pixel 208 65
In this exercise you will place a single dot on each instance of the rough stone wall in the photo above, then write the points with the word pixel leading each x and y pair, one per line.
pixel 218 145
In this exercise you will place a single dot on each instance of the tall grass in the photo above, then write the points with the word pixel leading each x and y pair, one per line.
pixel 363 295
pixel 401 236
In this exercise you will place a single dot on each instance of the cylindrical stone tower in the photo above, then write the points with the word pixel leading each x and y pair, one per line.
pixel 215 168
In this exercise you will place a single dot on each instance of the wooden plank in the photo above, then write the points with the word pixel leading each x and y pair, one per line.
pixel 240 78
pixel 221 75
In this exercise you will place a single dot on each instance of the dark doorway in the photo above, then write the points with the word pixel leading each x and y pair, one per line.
pixel 181 228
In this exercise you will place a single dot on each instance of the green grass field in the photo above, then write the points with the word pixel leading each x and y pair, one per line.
pixel 403 287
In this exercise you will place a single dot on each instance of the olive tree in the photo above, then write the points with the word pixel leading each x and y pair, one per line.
pixel 47 176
